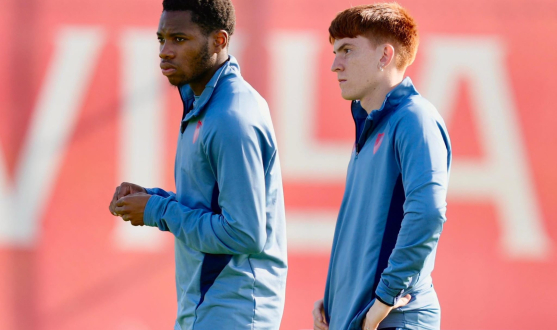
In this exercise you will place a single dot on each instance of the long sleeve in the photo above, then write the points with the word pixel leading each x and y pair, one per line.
pixel 421 150
pixel 160 192
pixel 234 152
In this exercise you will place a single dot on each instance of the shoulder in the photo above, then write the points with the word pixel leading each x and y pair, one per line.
pixel 236 109
pixel 417 113
pixel 237 98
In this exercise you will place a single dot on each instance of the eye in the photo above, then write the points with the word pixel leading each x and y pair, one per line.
pixel 178 39
pixel 161 40
pixel 346 51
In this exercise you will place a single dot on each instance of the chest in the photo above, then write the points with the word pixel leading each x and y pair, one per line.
pixel 193 171
pixel 376 160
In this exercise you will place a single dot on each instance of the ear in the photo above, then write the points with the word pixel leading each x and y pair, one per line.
pixel 387 52
pixel 220 39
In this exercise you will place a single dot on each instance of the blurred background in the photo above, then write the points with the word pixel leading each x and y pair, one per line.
pixel 83 107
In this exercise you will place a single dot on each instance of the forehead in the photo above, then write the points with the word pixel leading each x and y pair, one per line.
pixel 176 22
pixel 359 41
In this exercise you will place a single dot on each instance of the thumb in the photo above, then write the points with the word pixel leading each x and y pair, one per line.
pixel 122 201
pixel 403 301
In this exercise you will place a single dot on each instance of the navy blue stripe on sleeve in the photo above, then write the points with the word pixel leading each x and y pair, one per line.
pixel 213 264
pixel 392 228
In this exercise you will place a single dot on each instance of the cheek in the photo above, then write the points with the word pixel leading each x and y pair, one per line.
pixel 186 61
pixel 355 67
pixel 366 72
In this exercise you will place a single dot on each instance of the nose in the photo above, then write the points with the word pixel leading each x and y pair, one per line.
pixel 166 51
pixel 337 66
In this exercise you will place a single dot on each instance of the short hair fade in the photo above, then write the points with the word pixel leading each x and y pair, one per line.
pixel 210 15
pixel 380 22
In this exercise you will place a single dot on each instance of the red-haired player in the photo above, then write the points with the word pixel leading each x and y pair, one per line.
pixel 394 205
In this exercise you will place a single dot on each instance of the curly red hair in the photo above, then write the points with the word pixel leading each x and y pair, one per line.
pixel 380 22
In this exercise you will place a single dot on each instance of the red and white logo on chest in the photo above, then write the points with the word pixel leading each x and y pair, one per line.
pixel 378 142
pixel 196 133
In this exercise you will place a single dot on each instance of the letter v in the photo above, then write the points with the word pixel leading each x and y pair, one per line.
pixel 22 203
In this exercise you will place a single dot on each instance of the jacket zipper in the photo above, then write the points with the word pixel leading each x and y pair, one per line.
pixel 183 124
pixel 356 144
pixel 359 145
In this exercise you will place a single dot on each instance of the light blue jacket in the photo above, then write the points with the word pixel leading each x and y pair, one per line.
pixel 228 211
pixel 392 214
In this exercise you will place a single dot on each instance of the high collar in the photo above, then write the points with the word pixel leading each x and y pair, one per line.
pixel 230 67
pixel 392 100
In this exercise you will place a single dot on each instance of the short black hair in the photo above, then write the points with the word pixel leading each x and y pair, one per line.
pixel 210 15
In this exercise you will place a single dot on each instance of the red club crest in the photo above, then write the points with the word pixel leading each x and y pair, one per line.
pixel 196 133
pixel 378 142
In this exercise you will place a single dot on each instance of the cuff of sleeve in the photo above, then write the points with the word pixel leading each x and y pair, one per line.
pixel 387 295
pixel 150 191
pixel 153 210
pixel 384 302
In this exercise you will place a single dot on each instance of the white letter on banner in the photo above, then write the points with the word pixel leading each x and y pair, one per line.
pixel 75 54
pixel 294 92
pixel 142 144
pixel 503 175
pixel 237 45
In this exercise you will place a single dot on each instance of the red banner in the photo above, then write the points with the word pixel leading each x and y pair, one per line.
pixel 83 106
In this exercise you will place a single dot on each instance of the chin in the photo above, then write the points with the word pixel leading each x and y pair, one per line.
pixel 177 79
pixel 348 97
pixel 174 81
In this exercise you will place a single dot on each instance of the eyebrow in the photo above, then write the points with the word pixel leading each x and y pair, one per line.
pixel 342 46
pixel 174 34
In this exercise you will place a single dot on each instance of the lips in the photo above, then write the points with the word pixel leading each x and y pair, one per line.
pixel 167 69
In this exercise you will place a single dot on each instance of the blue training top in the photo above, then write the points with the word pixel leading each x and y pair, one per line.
pixel 392 214
pixel 228 211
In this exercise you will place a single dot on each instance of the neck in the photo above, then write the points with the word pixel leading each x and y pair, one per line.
pixel 199 86
pixel 375 98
